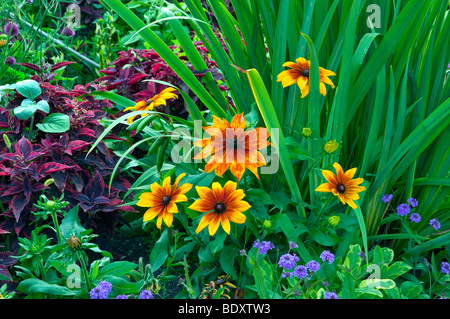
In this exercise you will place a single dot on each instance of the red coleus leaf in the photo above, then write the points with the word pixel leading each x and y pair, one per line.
pixel 52 167
pixel 59 65
pixel 17 204
pixel 95 187
pixel 136 78
pixel 31 66
pixel 6 260
pixel 4 273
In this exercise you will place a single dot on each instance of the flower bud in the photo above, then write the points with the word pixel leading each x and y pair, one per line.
pixel 7 141
pixel 334 220
pixel 306 131
pixel 331 146
pixel 74 242
pixel 267 224
pixel 49 181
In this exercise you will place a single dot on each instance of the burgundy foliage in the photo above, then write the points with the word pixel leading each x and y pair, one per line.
pixel 25 168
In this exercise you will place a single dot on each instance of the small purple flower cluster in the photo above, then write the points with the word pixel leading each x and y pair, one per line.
pixel 11 29
pixel 435 223
pixel 331 295
pixel 404 209
pixel 146 294
pixel 327 256
pixel 101 291
pixel 263 247
pixel 445 267
pixel 287 262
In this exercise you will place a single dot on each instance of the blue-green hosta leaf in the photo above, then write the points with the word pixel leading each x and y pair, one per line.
pixel 55 123
pixel 43 106
pixel 25 110
pixel 29 89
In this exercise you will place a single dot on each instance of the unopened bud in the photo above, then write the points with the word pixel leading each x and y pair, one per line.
pixel 334 220
pixel 306 131
pixel 7 141
pixel 267 224
pixel 331 146
pixel 49 181
pixel 74 242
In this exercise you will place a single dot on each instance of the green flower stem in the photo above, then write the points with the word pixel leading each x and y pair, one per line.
pixel 56 224
pixel 322 210
pixel 190 233
pixel 293 288
pixel 85 271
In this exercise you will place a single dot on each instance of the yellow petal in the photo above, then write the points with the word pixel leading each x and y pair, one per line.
pixel 214 225
pixel 325 187
pixel 152 213
pixel 329 176
pixel 202 205
pixel 204 222
pixel 225 223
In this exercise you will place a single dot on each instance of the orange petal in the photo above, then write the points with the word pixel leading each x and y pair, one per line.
pixel 202 205
pixel 225 223
pixel 214 224
pixel 325 187
pixel 152 213
pixel 235 216
pixel 330 177
pixel 348 175
pixel 339 172
pixel 205 221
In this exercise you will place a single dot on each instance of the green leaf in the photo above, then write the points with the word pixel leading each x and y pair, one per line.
pixel 25 110
pixel 410 290
pixel 29 89
pixel 226 260
pixel 32 285
pixel 117 269
pixel 369 291
pixel 43 106
pixel 71 224
pixel 395 270
pixel 378 283
pixel 55 123
pixel 160 251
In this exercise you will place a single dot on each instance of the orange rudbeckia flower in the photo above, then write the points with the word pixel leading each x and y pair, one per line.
pixel 230 146
pixel 222 204
pixel 149 105
pixel 162 200
pixel 299 74
pixel 342 185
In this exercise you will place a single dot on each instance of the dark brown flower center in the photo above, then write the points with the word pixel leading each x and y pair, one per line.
pixel 219 208
pixel 235 143
pixel 340 188
pixel 305 73
pixel 166 200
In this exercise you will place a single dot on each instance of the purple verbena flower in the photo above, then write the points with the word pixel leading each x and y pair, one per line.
pixel 415 217
pixel 10 60
pixel 331 295
pixel 445 267
pixel 11 28
pixel 300 272
pixel 327 256
pixel 98 293
pixel 435 223
pixel 287 274
pixel 292 245
pixel 403 209
pixel 146 294
pixel 121 297
pixel 325 283
pixel 413 202
pixel 313 266
pixel 263 247
pixel 362 254
pixel 387 198
pixel 287 261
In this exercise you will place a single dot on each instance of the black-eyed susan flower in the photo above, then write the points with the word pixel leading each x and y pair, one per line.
pixel 230 146
pixel 157 100
pixel 162 200
pixel 222 205
pixel 299 73
pixel 342 185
